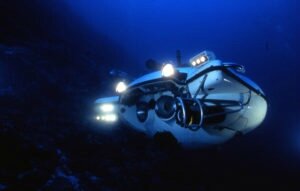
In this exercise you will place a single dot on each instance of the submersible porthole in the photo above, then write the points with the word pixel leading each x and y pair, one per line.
pixel 165 107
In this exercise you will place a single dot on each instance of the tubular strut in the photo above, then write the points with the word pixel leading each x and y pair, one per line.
pixel 229 104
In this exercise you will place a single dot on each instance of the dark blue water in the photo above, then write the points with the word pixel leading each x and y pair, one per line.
pixel 55 59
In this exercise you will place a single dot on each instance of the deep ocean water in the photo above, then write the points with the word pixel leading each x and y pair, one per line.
pixel 56 58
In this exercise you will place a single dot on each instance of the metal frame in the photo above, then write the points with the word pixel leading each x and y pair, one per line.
pixel 230 103
pixel 184 114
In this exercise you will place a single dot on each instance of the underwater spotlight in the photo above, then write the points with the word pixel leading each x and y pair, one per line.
pixel 168 70
pixel 107 117
pixel 202 58
pixel 107 107
pixel 121 87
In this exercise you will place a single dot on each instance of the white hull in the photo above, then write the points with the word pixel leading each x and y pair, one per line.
pixel 211 105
